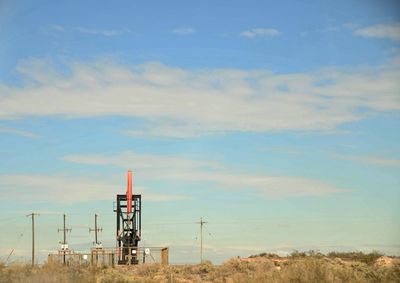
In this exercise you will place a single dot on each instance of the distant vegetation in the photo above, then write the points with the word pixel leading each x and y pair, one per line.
pixel 266 267
pixel 367 258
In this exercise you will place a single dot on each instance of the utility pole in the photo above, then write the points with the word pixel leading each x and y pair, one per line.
pixel 33 236
pixel 96 243
pixel 201 238
pixel 95 231
pixel 64 246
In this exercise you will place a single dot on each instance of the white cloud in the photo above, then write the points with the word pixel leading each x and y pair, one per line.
pixel 260 32
pixel 390 31
pixel 269 186
pixel 58 28
pixel 371 160
pixel 184 31
pixel 149 162
pixel 183 103
pixel 198 171
pixel 281 149
pixel 327 29
pixel 163 197
pixel 21 133
pixel 92 31
pixel 67 189
pixel 104 32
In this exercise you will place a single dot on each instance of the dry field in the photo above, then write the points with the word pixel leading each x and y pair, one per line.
pixel 299 267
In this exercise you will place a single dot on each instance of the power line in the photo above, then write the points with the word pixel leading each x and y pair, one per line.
pixel 170 223
pixel 16 245
pixel 209 233
pixel 195 238
pixel 11 218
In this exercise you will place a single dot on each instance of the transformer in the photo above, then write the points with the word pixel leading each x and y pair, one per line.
pixel 128 209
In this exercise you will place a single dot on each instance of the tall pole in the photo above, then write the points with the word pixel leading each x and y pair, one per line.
pixel 96 242
pixel 33 237
pixel 128 213
pixel 64 243
pixel 65 231
pixel 201 238
pixel 95 228
pixel 65 238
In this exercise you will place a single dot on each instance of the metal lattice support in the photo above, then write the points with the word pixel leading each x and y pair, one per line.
pixel 128 229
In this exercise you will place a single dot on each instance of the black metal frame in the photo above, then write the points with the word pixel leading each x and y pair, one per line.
pixel 128 229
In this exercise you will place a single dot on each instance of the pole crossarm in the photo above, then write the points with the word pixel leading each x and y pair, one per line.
pixel 95 230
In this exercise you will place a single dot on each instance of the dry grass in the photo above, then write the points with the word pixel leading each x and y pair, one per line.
pixel 299 267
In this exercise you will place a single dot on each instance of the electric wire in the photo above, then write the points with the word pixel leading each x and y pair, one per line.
pixel 17 244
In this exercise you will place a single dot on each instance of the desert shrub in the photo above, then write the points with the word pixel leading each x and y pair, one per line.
pixel 301 267
pixel 235 265
pixel 369 258
pixel 267 255
pixel 297 254
pixel 200 271
pixel 46 274
pixel 114 278
pixel 312 270
pixel 315 253
pixel 147 270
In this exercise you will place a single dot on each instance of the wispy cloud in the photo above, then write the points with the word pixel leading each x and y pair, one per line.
pixel 198 171
pixel 151 162
pixel 183 31
pixel 282 149
pixel 58 28
pixel 260 32
pixel 67 189
pixel 184 103
pixel 92 31
pixel 104 32
pixel 389 31
pixel 327 29
pixel 368 159
pixel 21 133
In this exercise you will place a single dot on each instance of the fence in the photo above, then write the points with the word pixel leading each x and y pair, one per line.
pixel 109 256
pixel 69 258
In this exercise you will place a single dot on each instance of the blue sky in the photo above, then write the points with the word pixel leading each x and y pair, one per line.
pixel 278 123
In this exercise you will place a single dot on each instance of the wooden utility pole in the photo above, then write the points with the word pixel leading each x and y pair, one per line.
pixel 95 230
pixel 64 243
pixel 96 243
pixel 201 238
pixel 33 236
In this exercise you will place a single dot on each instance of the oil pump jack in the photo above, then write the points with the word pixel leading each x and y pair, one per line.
pixel 128 211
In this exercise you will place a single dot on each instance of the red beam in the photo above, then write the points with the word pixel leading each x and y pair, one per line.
pixel 129 193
